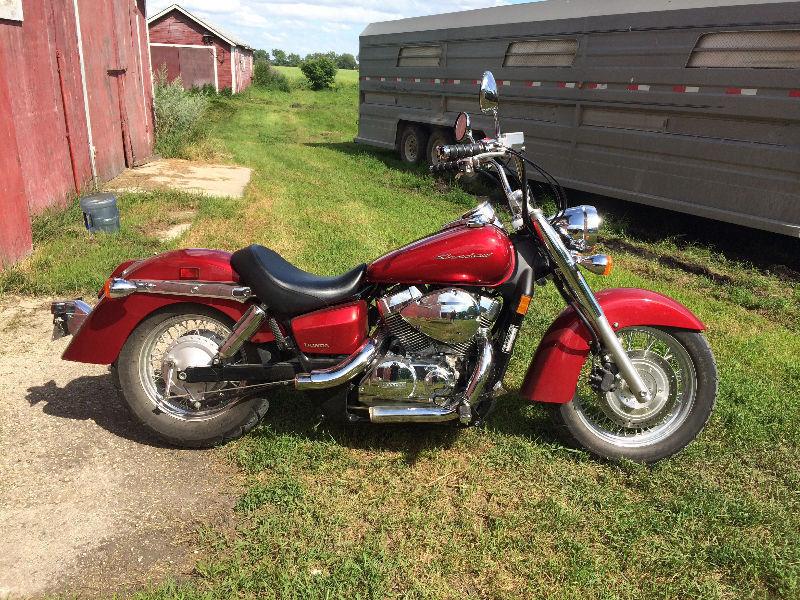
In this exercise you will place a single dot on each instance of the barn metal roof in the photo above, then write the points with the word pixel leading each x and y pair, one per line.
pixel 220 33
pixel 549 10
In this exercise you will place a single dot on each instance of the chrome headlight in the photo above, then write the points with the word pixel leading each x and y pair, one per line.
pixel 580 224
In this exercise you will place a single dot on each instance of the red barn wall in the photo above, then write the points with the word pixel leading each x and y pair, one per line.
pixel 244 68
pixel 15 225
pixel 40 79
pixel 177 28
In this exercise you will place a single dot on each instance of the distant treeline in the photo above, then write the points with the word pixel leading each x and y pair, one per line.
pixel 280 58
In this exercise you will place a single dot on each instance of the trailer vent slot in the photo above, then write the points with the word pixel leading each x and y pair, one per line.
pixel 747 49
pixel 541 53
pixel 419 56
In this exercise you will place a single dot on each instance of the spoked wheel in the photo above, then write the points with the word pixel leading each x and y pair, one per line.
pixel 678 369
pixel 184 414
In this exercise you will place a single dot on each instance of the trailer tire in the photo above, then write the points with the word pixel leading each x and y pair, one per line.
pixel 439 137
pixel 413 143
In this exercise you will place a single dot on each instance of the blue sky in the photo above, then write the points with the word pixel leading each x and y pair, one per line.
pixel 311 25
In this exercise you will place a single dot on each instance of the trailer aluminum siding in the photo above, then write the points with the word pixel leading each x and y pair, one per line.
pixel 661 103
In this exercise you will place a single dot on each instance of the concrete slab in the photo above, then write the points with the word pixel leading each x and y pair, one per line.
pixel 184 175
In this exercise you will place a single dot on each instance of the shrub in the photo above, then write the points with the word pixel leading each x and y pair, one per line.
pixel 320 72
pixel 207 89
pixel 178 114
pixel 268 78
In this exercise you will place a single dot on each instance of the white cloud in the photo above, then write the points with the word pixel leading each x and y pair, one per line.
pixel 305 26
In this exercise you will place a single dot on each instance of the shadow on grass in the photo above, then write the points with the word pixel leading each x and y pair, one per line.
pixel 298 415
pixel 93 398
pixel 387 157
pixel 773 252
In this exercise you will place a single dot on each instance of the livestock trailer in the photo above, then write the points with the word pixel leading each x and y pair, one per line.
pixel 689 105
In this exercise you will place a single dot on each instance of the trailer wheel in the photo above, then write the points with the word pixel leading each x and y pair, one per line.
pixel 439 137
pixel 413 143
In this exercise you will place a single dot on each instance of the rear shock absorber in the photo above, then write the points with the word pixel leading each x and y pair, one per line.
pixel 244 329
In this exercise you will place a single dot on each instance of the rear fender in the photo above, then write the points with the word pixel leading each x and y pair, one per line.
pixel 105 331
pixel 553 374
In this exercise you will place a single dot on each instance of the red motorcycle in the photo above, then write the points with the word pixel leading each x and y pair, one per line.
pixel 195 338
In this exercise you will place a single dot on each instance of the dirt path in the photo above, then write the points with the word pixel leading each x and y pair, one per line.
pixel 89 504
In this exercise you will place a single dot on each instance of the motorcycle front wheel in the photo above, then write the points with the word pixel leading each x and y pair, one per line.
pixel 194 415
pixel 678 368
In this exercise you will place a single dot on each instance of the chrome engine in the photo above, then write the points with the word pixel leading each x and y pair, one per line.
pixel 435 336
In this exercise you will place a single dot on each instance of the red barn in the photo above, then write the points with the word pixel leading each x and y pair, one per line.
pixel 76 104
pixel 198 52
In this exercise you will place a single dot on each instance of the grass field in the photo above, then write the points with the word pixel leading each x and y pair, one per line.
pixel 343 76
pixel 333 511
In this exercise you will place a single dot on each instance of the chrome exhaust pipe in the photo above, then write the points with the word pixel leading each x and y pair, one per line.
pixel 244 329
pixel 411 414
pixel 353 365
pixel 479 377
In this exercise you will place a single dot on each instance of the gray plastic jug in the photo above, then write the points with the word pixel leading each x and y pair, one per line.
pixel 100 213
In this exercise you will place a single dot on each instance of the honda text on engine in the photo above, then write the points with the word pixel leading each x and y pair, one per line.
pixel 196 338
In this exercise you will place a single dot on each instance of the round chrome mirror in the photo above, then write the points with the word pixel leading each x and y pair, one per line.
pixel 489 98
pixel 580 224
pixel 461 127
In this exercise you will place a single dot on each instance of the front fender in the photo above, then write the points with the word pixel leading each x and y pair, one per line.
pixel 553 374
pixel 106 329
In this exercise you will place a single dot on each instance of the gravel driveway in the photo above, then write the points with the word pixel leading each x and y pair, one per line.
pixel 89 503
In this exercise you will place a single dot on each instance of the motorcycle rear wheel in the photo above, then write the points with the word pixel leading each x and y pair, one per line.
pixel 679 369
pixel 174 419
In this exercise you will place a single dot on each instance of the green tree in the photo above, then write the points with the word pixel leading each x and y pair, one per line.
pixel 346 61
pixel 264 76
pixel 293 60
pixel 320 71
pixel 260 55
pixel 278 57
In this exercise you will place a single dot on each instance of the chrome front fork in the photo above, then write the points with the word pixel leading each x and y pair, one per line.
pixel 588 306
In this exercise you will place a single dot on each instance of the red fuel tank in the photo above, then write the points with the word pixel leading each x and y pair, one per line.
pixel 480 256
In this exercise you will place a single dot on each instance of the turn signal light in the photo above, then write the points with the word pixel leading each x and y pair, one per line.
pixel 118 288
pixel 524 304
pixel 599 264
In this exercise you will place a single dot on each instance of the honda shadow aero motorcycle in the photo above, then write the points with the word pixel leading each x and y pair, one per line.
pixel 424 334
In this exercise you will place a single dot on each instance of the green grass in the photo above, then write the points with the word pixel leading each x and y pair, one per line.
pixel 69 261
pixel 338 511
pixel 343 76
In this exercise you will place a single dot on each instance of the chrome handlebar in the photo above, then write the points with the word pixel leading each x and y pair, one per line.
pixel 473 160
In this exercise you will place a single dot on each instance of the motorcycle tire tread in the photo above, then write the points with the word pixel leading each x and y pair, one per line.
pixel 571 431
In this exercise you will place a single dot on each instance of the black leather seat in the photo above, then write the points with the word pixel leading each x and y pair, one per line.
pixel 287 290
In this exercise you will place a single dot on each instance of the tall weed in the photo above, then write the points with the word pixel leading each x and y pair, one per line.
pixel 178 115
pixel 264 76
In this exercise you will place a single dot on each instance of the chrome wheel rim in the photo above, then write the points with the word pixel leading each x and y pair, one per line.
pixel 411 148
pixel 175 344
pixel 618 418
